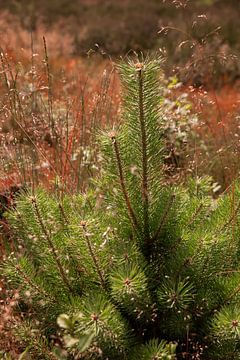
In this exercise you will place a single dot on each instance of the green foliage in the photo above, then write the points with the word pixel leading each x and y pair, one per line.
pixel 135 268
pixel 175 295
pixel 226 333
pixel 155 350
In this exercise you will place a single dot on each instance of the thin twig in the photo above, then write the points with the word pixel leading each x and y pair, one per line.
pixel 50 107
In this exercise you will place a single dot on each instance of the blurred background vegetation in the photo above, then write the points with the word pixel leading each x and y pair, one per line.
pixel 204 34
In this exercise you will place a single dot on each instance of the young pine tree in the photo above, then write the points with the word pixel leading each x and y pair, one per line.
pixel 150 272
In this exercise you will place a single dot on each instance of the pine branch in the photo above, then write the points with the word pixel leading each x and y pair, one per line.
pixel 51 245
pixel 37 345
pixel 224 302
pixel 164 218
pixel 29 281
pixel 131 213
pixel 93 256
pixel 145 191
pixel 231 219
pixel 218 231
pixel 231 296
pixel 194 216
pixel 63 213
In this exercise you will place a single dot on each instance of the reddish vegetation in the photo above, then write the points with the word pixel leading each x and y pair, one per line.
pixel 80 96
pixel 49 112
pixel 220 131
